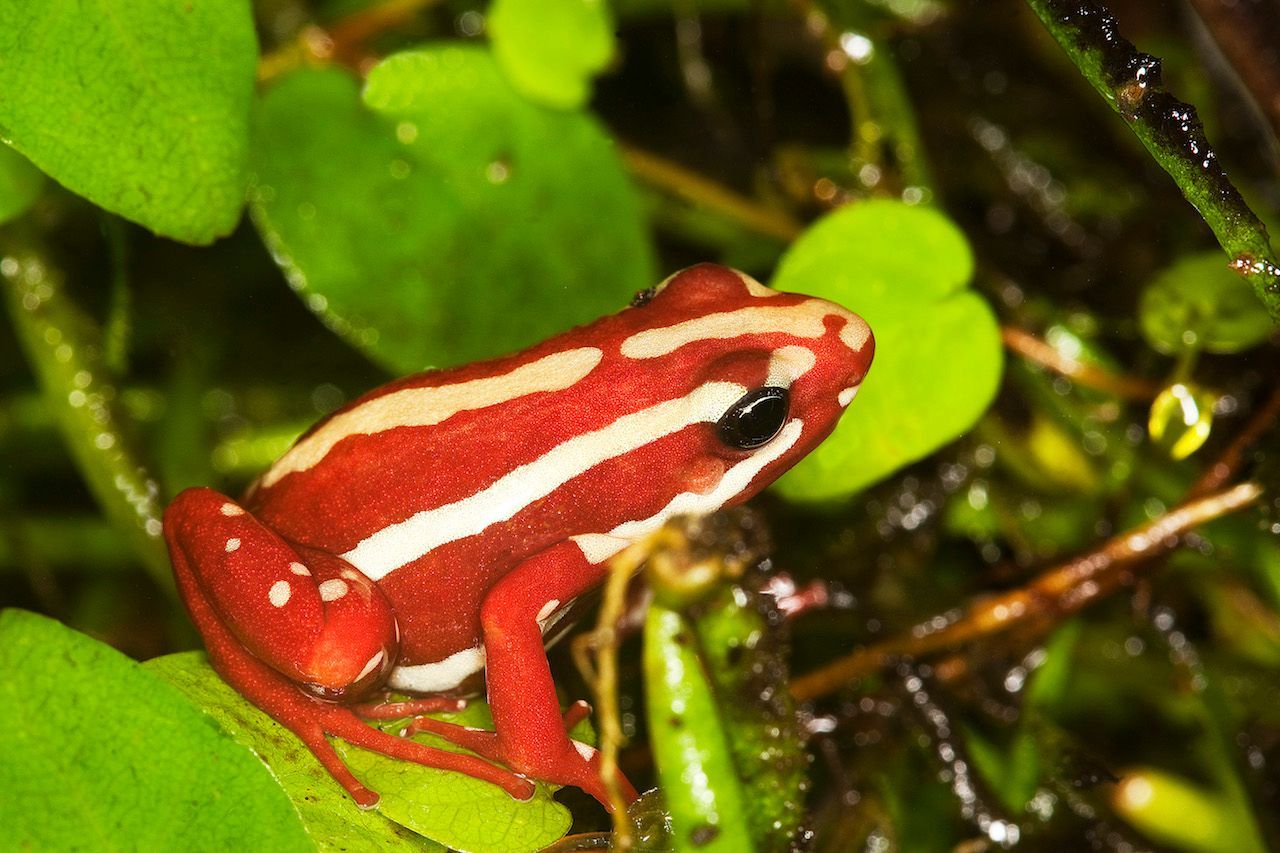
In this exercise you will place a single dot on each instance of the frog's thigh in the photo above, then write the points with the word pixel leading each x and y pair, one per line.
pixel 309 615
pixel 522 695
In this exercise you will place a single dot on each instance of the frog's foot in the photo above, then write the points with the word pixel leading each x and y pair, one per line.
pixel 578 765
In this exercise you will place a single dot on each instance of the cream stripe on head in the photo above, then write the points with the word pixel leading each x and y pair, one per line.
pixel 414 407
pixel 805 320
pixel 598 547
pixel 398 544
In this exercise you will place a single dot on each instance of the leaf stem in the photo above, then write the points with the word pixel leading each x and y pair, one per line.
pixel 1129 81
pixel 1089 375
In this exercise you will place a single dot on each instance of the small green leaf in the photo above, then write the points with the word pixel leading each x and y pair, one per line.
pixel 1200 303
pixel 142 108
pixel 463 813
pixel 938 357
pixel 101 754
pixel 449 219
pixel 331 817
pixel 550 49
pixel 1184 816
pixel 20 184
pixel 1181 419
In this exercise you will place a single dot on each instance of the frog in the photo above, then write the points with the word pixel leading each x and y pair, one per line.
pixel 429 538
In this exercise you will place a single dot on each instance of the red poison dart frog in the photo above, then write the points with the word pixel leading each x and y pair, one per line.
pixel 427 536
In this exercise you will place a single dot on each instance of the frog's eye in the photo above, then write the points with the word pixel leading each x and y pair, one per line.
pixel 755 418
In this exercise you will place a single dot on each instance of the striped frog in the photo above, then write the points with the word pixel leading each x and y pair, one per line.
pixel 427 537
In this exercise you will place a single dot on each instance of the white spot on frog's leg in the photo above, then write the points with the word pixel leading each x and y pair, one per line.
pixel 428 406
pixel 441 675
pixel 585 750
pixel 279 593
pixel 373 661
pixel 547 609
pixel 232 544
pixel 845 397
pixel 333 589
pixel 598 547
pixel 350 575
pixel 230 509
pixel 299 569
pixel 398 544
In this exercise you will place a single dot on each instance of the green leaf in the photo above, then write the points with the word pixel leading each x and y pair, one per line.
pixel 938 357
pixel 100 754
pixel 1200 303
pixel 331 817
pixel 450 219
pixel 463 813
pixel 550 49
pixel 142 108
pixel 1183 815
pixel 20 184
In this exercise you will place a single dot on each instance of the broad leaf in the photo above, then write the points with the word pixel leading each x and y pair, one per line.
pixel 130 763
pixel 331 817
pixel 1201 303
pixel 141 107
pixel 550 49
pixel 445 218
pixel 938 358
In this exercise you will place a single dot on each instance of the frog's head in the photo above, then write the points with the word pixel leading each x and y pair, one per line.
pixel 769 372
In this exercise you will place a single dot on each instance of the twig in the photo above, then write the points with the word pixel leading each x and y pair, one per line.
pixel 1061 590
pixel 703 192
pixel 1246 32
pixel 343 41
pixel 1090 375
pixel 1228 464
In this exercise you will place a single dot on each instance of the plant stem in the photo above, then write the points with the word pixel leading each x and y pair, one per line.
pixel 1170 130
pixel 1089 375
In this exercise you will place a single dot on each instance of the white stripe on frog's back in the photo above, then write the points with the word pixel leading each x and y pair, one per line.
pixel 398 544
pixel 417 407
pixel 806 319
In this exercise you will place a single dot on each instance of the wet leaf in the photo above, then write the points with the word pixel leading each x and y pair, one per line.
pixel 131 763
pixel 142 108
pixel 332 818
pixel 938 357
pixel 445 218
pixel 1200 303
pixel 1175 812
pixel 20 184
pixel 550 49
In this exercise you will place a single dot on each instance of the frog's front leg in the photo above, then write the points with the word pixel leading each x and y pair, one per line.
pixel 293 629
pixel 531 735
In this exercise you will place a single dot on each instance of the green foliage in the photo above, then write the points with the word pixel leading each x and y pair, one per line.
pixel 444 218
pixel 140 107
pixel 550 49
pixel 331 818
pixel 1200 303
pixel 938 359
pixel 130 763
pixel 20 184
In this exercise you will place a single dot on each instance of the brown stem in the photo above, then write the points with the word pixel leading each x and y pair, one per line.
pixel 1089 375
pixel 343 41
pixel 703 192
pixel 1249 35
pixel 1062 590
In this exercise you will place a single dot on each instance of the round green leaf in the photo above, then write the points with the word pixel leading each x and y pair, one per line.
pixel 100 754
pixel 332 818
pixel 938 357
pixel 449 219
pixel 1200 303
pixel 550 49
pixel 20 184
pixel 142 108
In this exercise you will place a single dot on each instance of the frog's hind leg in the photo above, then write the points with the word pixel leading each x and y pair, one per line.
pixel 278 620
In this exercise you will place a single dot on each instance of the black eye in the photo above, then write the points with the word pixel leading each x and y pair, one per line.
pixel 754 419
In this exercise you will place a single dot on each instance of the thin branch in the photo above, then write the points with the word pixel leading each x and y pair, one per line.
pixel 1082 372
pixel 1062 590
pixel 1226 466
pixel 703 192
